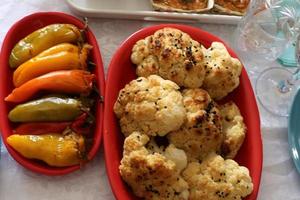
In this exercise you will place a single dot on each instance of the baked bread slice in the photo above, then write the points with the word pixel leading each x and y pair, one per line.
pixel 182 5
pixel 233 7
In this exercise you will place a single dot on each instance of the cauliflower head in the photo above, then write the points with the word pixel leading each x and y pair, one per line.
pixel 222 71
pixel 234 129
pixel 217 179
pixel 201 133
pixel 171 54
pixel 152 175
pixel 150 105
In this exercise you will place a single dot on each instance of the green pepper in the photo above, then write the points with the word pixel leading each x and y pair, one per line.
pixel 47 109
pixel 41 40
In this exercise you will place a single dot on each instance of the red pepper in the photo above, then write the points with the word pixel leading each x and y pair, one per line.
pixel 37 128
pixel 80 125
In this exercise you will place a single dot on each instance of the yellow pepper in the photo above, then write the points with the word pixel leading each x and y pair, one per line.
pixel 41 40
pixel 54 149
pixel 60 57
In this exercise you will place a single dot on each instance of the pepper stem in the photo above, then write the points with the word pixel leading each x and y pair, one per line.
pixel 101 98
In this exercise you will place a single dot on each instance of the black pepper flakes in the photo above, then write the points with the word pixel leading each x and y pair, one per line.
pixel 188 66
pixel 166 53
pixel 189 52
pixel 157 44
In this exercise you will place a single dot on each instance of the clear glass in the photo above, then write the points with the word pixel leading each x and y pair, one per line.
pixel 263 34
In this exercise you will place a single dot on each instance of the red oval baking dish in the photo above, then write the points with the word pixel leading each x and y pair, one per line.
pixel 121 71
pixel 18 31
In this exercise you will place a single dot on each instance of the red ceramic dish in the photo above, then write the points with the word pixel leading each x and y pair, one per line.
pixel 18 31
pixel 122 71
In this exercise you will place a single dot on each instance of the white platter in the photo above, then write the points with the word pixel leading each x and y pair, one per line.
pixel 141 10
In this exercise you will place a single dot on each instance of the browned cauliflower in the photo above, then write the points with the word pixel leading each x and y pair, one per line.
pixel 222 71
pixel 150 105
pixel 153 175
pixel 201 133
pixel 171 54
pixel 217 179
pixel 233 128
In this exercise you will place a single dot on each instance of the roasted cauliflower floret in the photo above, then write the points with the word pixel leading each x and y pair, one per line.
pixel 201 133
pixel 222 71
pixel 178 156
pixel 217 179
pixel 150 105
pixel 171 54
pixel 234 129
pixel 161 145
pixel 151 175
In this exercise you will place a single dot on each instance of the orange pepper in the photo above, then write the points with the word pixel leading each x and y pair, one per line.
pixel 64 81
pixel 60 57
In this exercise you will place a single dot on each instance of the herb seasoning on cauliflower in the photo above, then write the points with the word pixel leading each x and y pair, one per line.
pixel 171 54
pixel 152 175
pixel 222 71
pixel 217 179
pixel 233 128
pixel 201 133
pixel 150 105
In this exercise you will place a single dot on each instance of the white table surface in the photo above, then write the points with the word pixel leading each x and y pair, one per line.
pixel 279 178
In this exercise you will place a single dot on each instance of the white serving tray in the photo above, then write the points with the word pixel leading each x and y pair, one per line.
pixel 141 10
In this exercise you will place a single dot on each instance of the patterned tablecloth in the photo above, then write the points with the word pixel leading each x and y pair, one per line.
pixel 279 180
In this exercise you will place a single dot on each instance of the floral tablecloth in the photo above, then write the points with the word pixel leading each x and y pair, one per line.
pixel 279 178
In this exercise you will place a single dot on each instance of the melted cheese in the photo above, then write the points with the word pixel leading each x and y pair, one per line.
pixel 234 5
pixel 183 4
